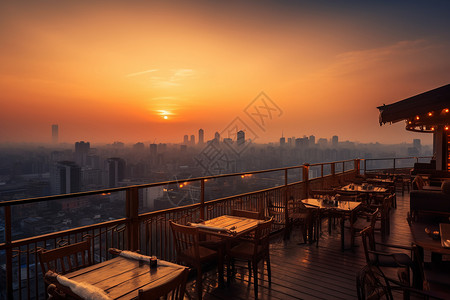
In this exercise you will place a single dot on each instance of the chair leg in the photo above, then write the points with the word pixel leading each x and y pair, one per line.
pixel 199 283
pixel 269 271
pixel 255 278
pixel 249 270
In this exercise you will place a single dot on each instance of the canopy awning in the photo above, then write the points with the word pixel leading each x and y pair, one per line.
pixel 433 100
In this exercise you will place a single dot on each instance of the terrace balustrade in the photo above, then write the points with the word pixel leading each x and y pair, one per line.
pixel 149 232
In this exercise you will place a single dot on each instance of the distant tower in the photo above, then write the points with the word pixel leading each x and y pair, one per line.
pixel 335 140
pixel 55 133
pixel 192 140
pixel 217 136
pixel 115 167
pixel 81 152
pixel 65 178
pixel 153 149
pixel 282 141
pixel 240 138
pixel 185 139
pixel 201 136
pixel 312 140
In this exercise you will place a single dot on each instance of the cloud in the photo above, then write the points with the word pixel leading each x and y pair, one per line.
pixel 141 73
pixel 354 62
pixel 173 78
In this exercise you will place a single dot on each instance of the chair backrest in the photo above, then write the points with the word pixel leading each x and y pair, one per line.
pixel 172 287
pixel 374 217
pixel 368 240
pixel 371 284
pixel 262 235
pixel 259 215
pixel 67 258
pixel 186 241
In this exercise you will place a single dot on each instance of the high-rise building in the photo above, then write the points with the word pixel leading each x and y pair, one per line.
pixel 55 134
pixel 115 168
pixel 65 178
pixel 153 149
pixel 417 144
pixel 312 140
pixel 201 137
pixel 334 140
pixel 185 139
pixel 240 138
pixel 282 141
pixel 217 136
pixel 192 140
pixel 81 152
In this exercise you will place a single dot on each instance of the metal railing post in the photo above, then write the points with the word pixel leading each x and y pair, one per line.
pixel 365 166
pixel 202 199
pixel 394 165
pixel 132 211
pixel 357 166
pixel 8 236
pixel 306 179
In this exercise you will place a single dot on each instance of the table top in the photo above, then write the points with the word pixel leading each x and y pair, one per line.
pixel 121 278
pixel 380 180
pixel 234 225
pixel 424 240
pixel 341 205
pixel 359 188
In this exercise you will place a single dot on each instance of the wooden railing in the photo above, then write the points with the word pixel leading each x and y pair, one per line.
pixel 149 232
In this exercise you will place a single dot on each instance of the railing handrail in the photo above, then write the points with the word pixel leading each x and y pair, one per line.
pixel 154 184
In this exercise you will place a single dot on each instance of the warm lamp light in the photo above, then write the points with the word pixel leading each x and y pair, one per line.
pixel 446 110
pixel 446 127
pixel 181 185
pixel 417 118
pixel 430 114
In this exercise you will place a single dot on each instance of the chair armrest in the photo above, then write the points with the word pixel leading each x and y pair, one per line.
pixel 395 246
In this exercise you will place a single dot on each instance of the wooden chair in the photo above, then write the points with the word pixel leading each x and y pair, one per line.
pixel 372 283
pixel 253 251
pixel 190 252
pixel 67 258
pixel 172 287
pixel 382 258
pixel 259 215
pixel 364 219
pixel 304 217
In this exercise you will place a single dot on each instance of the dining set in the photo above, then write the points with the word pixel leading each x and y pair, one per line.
pixel 222 241
pixel 69 271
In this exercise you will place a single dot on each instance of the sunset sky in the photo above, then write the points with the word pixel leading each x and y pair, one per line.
pixel 153 71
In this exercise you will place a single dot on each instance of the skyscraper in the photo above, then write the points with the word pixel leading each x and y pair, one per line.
pixel 192 140
pixel 201 136
pixel 55 134
pixel 185 139
pixel 65 178
pixel 335 140
pixel 115 167
pixel 240 138
pixel 81 152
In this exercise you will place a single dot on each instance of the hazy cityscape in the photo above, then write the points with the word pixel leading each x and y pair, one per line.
pixel 54 168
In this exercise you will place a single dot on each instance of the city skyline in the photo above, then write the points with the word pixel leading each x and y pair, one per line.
pixel 151 71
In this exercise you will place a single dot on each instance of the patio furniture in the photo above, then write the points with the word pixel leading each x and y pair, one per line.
pixel 377 255
pixel 119 278
pixel 253 251
pixel 259 215
pixel 171 288
pixel 190 252
pixel 372 283
pixel 67 258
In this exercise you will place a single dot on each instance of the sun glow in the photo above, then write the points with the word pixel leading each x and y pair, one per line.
pixel 164 114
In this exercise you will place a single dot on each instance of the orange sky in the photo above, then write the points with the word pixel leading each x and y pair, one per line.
pixel 108 71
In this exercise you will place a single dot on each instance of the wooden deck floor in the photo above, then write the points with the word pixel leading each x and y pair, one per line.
pixel 303 271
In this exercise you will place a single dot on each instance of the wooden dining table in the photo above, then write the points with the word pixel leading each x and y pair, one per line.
pixel 121 277
pixel 340 208
pixel 228 229
pixel 358 188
